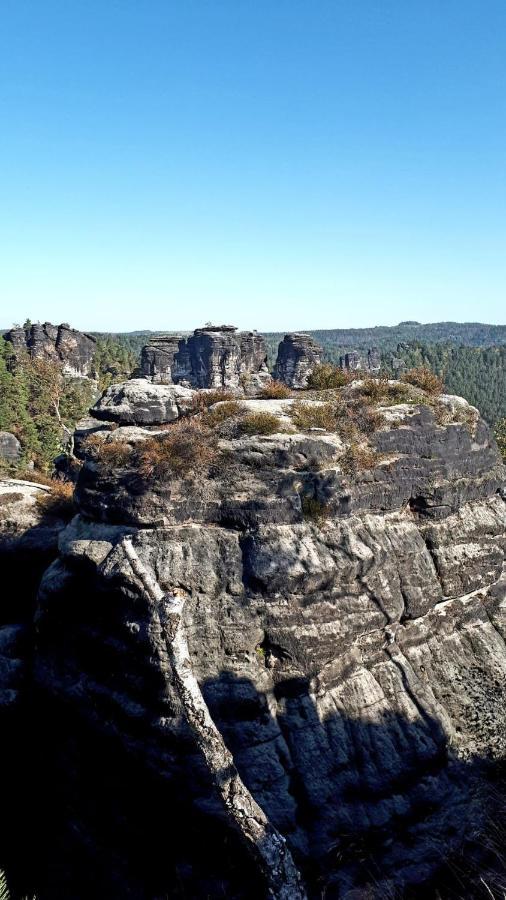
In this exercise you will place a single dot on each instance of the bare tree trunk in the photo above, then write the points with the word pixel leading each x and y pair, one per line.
pixel 267 845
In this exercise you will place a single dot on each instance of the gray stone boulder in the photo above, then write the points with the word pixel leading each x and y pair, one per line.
pixel 142 402
pixel 10 448
pixel 298 356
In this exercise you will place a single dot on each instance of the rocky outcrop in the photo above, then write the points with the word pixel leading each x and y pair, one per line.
pixel 212 357
pixel 141 402
pixel 10 448
pixel 343 617
pixel 298 356
pixel 59 343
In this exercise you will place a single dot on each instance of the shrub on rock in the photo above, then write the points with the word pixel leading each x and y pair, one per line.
pixel 423 378
pixel 186 448
pixel 275 390
pixel 260 423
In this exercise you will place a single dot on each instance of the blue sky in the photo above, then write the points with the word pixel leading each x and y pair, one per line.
pixel 269 163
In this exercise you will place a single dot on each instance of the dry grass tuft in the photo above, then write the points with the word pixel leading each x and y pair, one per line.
pixel 313 415
pixel 204 399
pixel 218 414
pixel 108 452
pixel 59 502
pixel 276 390
pixel 379 390
pixel 326 377
pixel 187 448
pixel 358 458
pixel 11 497
pixel 260 423
pixel 423 378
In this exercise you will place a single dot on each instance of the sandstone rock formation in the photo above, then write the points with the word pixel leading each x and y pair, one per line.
pixel 344 614
pixel 59 343
pixel 10 448
pixel 298 356
pixel 212 357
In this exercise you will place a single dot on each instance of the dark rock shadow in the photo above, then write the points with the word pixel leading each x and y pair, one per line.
pixel 371 809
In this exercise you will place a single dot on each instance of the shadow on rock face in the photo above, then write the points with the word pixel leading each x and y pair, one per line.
pixel 371 809
pixel 375 808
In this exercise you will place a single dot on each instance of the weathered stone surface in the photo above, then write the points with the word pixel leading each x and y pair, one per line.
pixel 354 664
pixel 212 357
pixel 10 448
pixel 298 356
pixel 141 402
pixel 59 343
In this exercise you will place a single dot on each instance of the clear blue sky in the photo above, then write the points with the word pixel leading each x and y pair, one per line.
pixel 270 163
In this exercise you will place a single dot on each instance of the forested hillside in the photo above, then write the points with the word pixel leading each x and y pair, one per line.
pixel 40 405
pixel 476 373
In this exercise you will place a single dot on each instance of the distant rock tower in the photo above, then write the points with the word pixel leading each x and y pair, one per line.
pixel 298 356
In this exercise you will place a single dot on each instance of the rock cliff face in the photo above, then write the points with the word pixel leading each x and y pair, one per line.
pixel 212 357
pixel 345 616
pixel 59 343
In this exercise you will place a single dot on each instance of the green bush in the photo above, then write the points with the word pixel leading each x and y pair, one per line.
pixel 315 415
pixel 326 376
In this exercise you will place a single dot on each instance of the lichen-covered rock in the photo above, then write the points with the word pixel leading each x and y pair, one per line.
pixel 346 627
pixel 10 448
pixel 298 356
pixel 141 402
pixel 59 343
